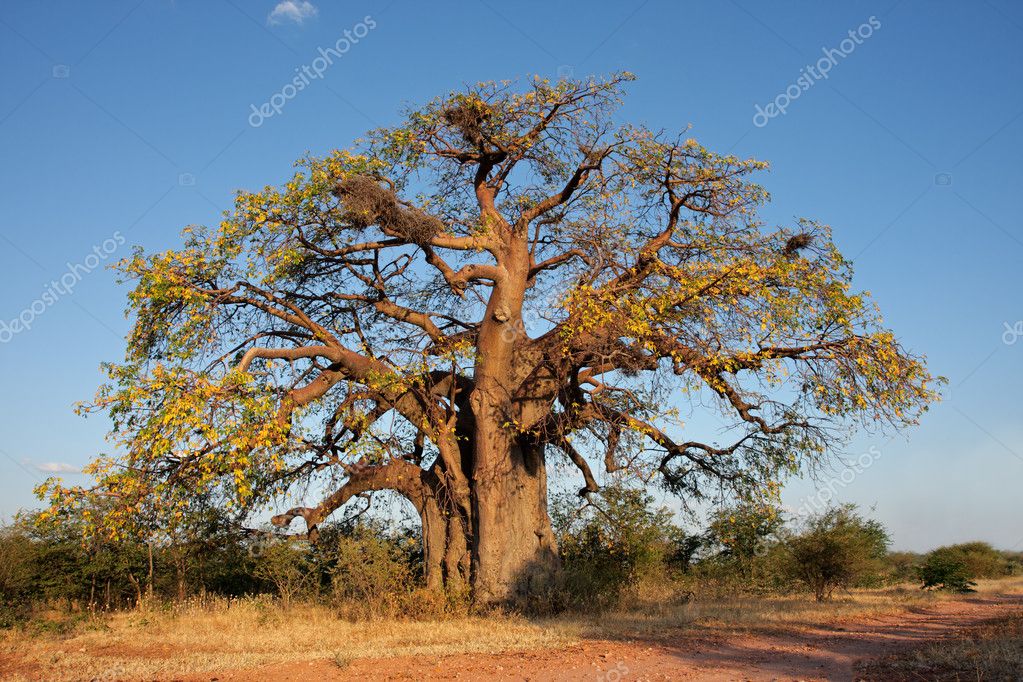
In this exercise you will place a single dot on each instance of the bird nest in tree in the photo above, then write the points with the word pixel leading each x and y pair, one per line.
pixel 797 243
pixel 367 202
pixel 468 120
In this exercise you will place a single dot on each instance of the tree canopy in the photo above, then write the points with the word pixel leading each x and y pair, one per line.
pixel 508 274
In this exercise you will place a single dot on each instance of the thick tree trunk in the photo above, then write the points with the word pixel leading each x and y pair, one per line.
pixel 515 555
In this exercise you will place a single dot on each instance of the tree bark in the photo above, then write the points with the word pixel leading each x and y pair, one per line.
pixel 434 544
pixel 514 552
pixel 138 590
pixel 150 575
pixel 445 545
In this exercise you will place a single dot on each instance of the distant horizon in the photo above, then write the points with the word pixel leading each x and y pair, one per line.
pixel 125 122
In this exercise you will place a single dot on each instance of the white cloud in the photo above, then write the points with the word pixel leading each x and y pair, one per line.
pixel 58 468
pixel 292 10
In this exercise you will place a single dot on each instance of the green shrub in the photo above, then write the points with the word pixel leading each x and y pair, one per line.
pixel 955 567
pixel 17 570
pixel 946 568
pixel 838 548
pixel 287 565
pixel 367 572
pixel 611 544
pixel 740 549
pixel 372 568
pixel 981 559
pixel 1013 563
pixel 902 567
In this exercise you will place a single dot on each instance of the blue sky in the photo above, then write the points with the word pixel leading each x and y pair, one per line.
pixel 122 122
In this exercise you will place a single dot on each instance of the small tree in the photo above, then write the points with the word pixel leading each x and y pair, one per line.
pixel 741 534
pixel 838 548
pixel 683 549
pixel 981 559
pixel 947 568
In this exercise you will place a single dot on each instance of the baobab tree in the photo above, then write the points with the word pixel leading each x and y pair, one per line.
pixel 508 276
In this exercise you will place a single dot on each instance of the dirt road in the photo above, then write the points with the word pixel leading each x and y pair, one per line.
pixel 806 653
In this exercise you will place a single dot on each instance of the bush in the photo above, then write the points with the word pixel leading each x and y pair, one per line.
pixel 902 567
pixel 683 549
pixel 16 576
pixel 370 574
pixel 981 559
pixel 288 566
pixel 741 549
pixel 955 567
pixel 837 549
pixel 612 544
pixel 946 568
pixel 1013 563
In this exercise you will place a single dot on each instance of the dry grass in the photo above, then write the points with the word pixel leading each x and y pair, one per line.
pixel 251 633
pixel 988 652
pixel 772 613
pixel 254 632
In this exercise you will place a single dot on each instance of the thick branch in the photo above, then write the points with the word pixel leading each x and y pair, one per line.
pixel 398 475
